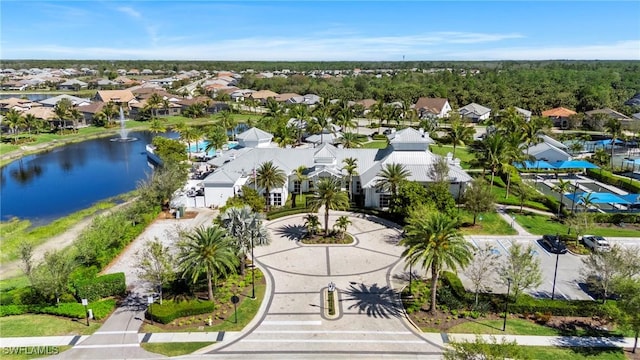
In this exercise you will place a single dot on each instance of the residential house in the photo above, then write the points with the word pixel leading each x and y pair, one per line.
pixel 124 98
pixel 559 116
pixel 262 95
pixel 89 111
pixel 475 112
pixel 609 112
pixel 75 101
pixel 286 97
pixel 72 85
pixel 633 101
pixel 437 107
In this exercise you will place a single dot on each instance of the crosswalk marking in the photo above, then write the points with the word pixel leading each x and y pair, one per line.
pixel 330 332
pixel 292 322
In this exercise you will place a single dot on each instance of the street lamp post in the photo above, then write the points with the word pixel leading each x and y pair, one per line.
pixel 85 303
pixel 555 273
pixel 506 305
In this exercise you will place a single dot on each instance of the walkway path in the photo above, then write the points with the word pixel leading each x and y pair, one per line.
pixel 118 337
pixel 371 320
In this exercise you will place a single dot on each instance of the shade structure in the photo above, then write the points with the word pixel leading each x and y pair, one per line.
pixel 539 164
pixel 573 164
pixel 598 198
pixel 633 199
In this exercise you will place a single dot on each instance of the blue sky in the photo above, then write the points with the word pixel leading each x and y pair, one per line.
pixel 319 30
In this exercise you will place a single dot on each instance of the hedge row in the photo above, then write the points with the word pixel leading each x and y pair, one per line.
pixel 101 309
pixel 276 214
pixel 101 287
pixel 618 218
pixel 170 310
pixel 607 177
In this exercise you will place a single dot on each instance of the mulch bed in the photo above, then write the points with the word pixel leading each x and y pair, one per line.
pixel 331 239
pixel 168 215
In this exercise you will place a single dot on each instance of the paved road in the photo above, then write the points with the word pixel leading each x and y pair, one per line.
pixel 371 321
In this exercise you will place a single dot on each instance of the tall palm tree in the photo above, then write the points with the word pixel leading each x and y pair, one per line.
pixel 562 188
pixel 460 134
pixel 433 240
pixel 378 112
pixel 110 111
pixel 300 177
pixel 344 119
pixel 31 122
pixel 301 113
pixel 320 124
pixel 13 119
pixel 206 250
pixel 350 167
pixel 75 116
pixel 227 121
pixel 330 195
pixel 492 152
pixel 245 227
pixel 614 128
pixel 189 135
pixel 587 200
pixel 391 176
pixel 269 176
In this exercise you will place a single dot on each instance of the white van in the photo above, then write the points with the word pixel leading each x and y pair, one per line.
pixel 596 243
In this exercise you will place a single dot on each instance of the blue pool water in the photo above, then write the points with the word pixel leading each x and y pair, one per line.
pixel 201 145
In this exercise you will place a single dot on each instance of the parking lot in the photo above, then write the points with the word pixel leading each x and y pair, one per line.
pixel 569 281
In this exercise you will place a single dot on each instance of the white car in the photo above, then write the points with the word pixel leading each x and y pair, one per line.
pixel 596 243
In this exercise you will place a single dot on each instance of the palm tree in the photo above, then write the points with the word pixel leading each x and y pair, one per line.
pixel 350 140
pixel 269 176
pixel 460 134
pixel 320 124
pixel 153 102
pixel 227 121
pixel 156 126
pixel 75 116
pixel 244 226
pixel 61 111
pixel 342 223
pixel 206 250
pixel 391 176
pixel 189 135
pixel 110 111
pixel 311 223
pixel 587 200
pixel 344 119
pixel 300 177
pixel 31 122
pixel 350 166
pixel 614 128
pixel 13 119
pixel 433 239
pixel 562 188
pixel 329 195
pixel 492 152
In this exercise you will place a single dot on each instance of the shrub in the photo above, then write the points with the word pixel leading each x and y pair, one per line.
pixel 632 186
pixel 452 281
pixel 76 310
pixel 170 310
pixel 101 287
pixel 286 212
pixel 379 137
pixel 618 218
pixel 7 310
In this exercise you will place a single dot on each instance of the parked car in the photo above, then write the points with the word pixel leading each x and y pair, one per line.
pixel 553 243
pixel 596 243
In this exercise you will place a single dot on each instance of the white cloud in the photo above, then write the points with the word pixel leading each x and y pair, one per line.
pixel 432 46
pixel 129 11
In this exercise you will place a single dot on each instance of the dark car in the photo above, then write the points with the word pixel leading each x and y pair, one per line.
pixel 553 243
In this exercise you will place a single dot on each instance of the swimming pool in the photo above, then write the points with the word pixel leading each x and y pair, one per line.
pixel 201 145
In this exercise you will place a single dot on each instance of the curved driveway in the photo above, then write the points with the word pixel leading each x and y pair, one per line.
pixel 371 321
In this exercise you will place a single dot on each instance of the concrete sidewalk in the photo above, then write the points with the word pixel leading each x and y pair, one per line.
pixel 525 340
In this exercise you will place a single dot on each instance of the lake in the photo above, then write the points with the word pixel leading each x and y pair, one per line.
pixel 44 187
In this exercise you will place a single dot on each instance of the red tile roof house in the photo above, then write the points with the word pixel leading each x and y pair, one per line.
pixel 559 116
pixel 438 107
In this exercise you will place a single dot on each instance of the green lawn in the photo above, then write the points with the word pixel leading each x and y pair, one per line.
pixel 375 144
pixel 462 153
pixel 540 225
pixel 491 224
pixel 44 325
pixel 174 349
